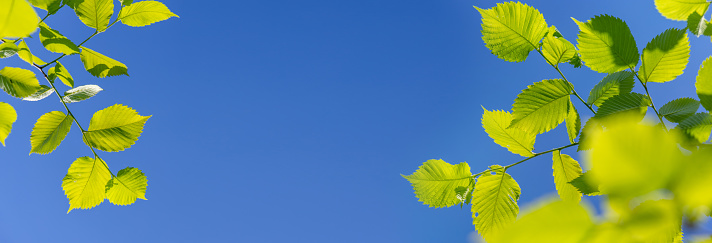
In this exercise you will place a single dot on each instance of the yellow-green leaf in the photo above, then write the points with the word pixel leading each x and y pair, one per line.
pixel 129 184
pixel 666 56
pixel 542 106
pixel 553 222
pixel 681 9
pixel 18 82
pixel 494 202
pixel 436 180
pixel 704 83
pixel 8 116
pixel 511 30
pixel 566 169
pixel 17 19
pixel 606 44
pixel 697 126
pixel 49 132
pixel 55 42
pixel 93 13
pixel 573 123
pixel 59 71
pixel 144 13
pixel 81 93
pixel 613 84
pixel 557 49
pixel 85 183
pixel 26 55
pixel 115 128
pixel 101 66
pixel 515 140
pixel 8 49
pixel 679 109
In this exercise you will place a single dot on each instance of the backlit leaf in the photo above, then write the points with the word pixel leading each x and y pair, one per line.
pixel 55 42
pixel 698 25
pixel 93 13
pixel 704 83
pixel 115 128
pixel 49 132
pixel 511 30
pixel 101 66
pixel 631 104
pixel 515 140
pixel 573 123
pixel 42 93
pixel 606 44
pixel 666 56
pixel 584 185
pixel 680 9
pixel 698 126
pixel 18 82
pixel 542 106
pixel 26 55
pixel 494 202
pixel 59 71
pixel 557 49
pixel 680 109
pixel 613 84
pixel 144 13
pixel 50 5
pixel 81 93
pixel 129 184
pixel 8 116
pixel 8 49
pixel 17 19
pixel 85 183
pixel 436 180
pixel 566 169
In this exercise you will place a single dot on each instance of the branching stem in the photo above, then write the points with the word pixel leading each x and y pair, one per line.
pixel 528 158
pixel 652 104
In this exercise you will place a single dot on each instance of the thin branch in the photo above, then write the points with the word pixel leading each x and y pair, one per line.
pixel 528 158
pixel 556 66
pixel 652 104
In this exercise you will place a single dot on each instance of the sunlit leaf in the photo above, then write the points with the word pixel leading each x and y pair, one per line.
pixel 115 128
pixel 557 49
pixel 584 185
pixel 18 82
pixel 654 221
pixel 566 169
pixel 55 42
pixel 81 93
pixel 26 55
pixel 17 19
pixel 557 221
pixel 8 49
pixel 494 202
pixel 511 30
pixel 436 180
pixel 680 109
pixel 129 184
pixel 42 93
pixel 681 9
pixel 101 66
pixel 590 129
pixel 93 13
pixel 694 185
pixel 606 44
pixel 666 56
pixel 85 183
pixel 515 140
pixel 704 83
pixel 573 123
pixel 59 71
pixel 613 84
pixel 697 126
pixel 144 13
pixel 630 104
pixel 698 25
pixel 542 106
pixel 8 116
pixel 50 5
pixel 49 132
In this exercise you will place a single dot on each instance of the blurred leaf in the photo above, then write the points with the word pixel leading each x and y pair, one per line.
pixel 511 30
pixel 8 116
pixel 557 221
pixel 436 180
pixel 17 19
pixel 584 185
pixel 515 140
pixel 704 83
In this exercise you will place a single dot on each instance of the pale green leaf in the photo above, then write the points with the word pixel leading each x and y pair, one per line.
pixel 101 66
pixel 694 185
pixel 515 140
pixel 704 83
pixel 550 222
pixel 49 132
pixel 115 128
pixel 59 71
pixel 18 82
pixel 584 185
pixel 654 221
pixel 144 13
pixel 698 126
pixel 93 13
pixel 573 123
pixel 55 42
pixel 557 49
pixel 81 93
pixel 666 56
pixel 606 44
pixel 129 184
pixel 681 9
pixel 42 93
pixel 8 116
pixel 85 183
pixel 613 84
pixel 630 104
pixel 680 109
pixel 8 49
pixel 436 180
pixel 26 55
pixel 566 169
pixel 494 202
pixel 542 106
pixel 511 30
pixel 17 19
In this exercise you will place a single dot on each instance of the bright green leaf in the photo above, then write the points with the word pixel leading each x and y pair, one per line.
pixel 591 127
pixel 144 13
pixel 698 126
pixel 25 54
pixel 681 9
pixel 115 128
pixel 494 202
pixel 59 71
pixel 18 82
pixel 42 93
pixel 81 93
pixel 573 123
pixel 101 66
pixel 93 13
pixel 613 84
pixel 632 104
pixel 554 222
pixel 515 140
pixel 49 132
pixel 666 56
pixel 50 5
pixel 436 180
pixel 566 169
pixel 511 30
pixel 8 49
pixel 129 184
pixel 680 109
pixel 654 221
pixel 704 84
pixel 542 106
pixel 17 19
pixel 584 185
pixel 557 49
pixel 85 183
pixel 8 116
pixel 126 2
pixel 55 42
pixel 694 185
pixel 606 44
pixel 698 25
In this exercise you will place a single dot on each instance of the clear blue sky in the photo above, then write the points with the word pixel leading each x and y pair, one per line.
pixel 291 121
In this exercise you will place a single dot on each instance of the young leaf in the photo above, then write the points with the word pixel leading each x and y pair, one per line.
pixel 42 93
pixel 613 84
pixel 542 106
pixel 436 180
pixel 566 169
pixel 8 116
pixel 50 5
pixel 59 71
pixel 25 54
pixel 115 128
pixel 584 185
pixel 573 123
pixel 8 49
pixel 93 13
pixel 553 222
pixel 18 19
pixel 680 9
pixel 679 109
pixel 557 49
pixel 55 42
pixel 494 202
pixel 49 132
pixel 101 66
pixel 632 104
pixel 18 82
pixel 698 126
pixel 704 84
pixel 515 140
pixel 606 44
pixel 81 93
pixel 666 56
pixel 129 184
pixel 144 13
pixel 85 183
pixel 511 30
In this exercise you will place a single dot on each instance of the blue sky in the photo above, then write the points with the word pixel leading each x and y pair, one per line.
pixel 278 121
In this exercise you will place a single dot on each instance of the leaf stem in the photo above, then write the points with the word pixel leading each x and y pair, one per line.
pixel 528 158
pixel 80 44
pixel 556 66
pixel 652 104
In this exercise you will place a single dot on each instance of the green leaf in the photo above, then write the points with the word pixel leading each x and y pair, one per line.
pixel 592 126
pixel 557 49
pixel 101 66
pixel 126 186
pixel 606 44
pixel 81 93
pixel 584 185
pixel 42 93
pixel 17 19
pixel 698 126
pixel 666 56
pixel 680 9
pixel 144 13
pixel 613 84
pixel 565 170
pixel 126 2
pixel 704 84
pixel 8 116
pixel 8 49
pixel 573 123
pixel 512 30
pixel 55 42
pixel 59 71
pixel 93 13
pixel 633 104
pixel 494 202
pixel 515 140
pixel 542 106
pixel 85 183
pixel 552 222
pixel 698 25
pixel 18 82
pixel 436 180
pixel 25 54
pixel 654 221
pixel 49 132
pixel 50 5
pixel 115 128
pixel 679 109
